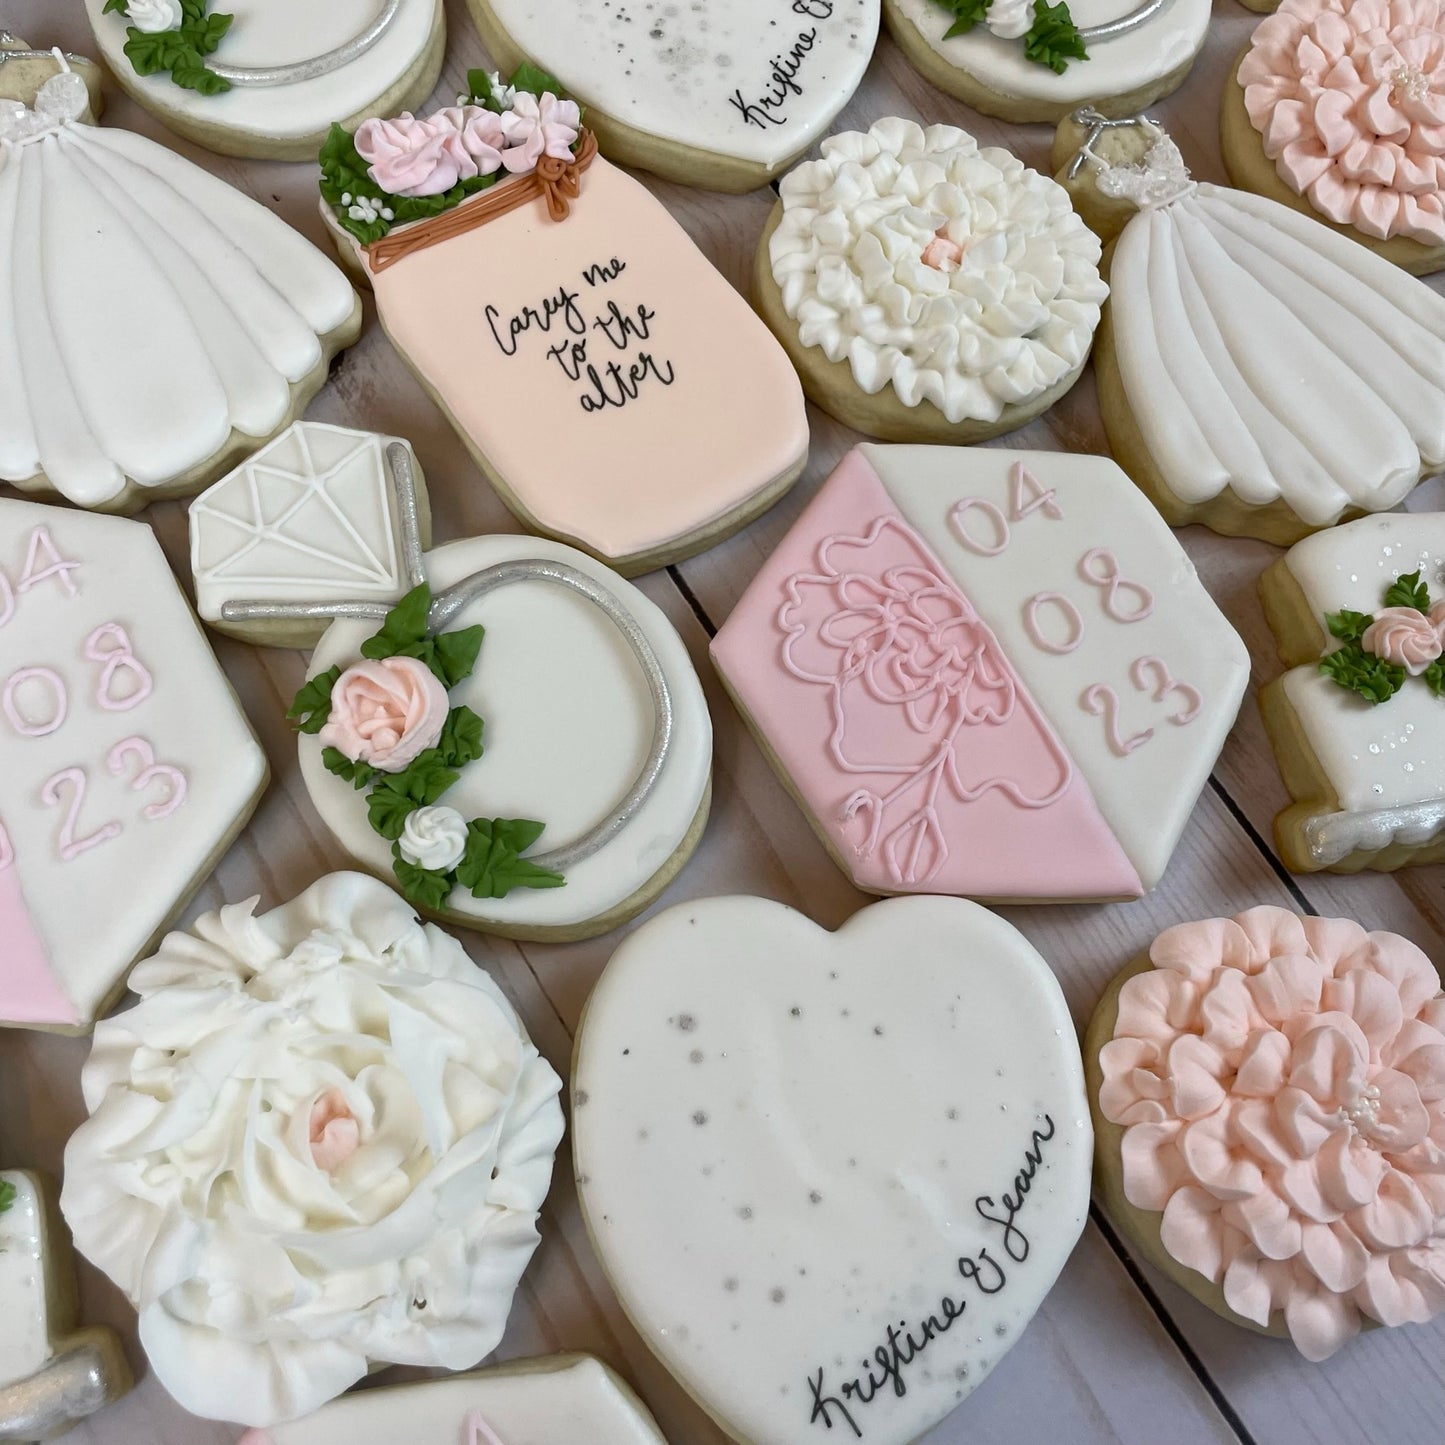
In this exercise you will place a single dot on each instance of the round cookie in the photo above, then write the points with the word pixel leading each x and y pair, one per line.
pixel 1264 1091
pixel 1028 60
pixel 1258 373
pixel 727 101
pixel 129 767
pixel 926 289
pixel 1337 108
pixel 158 325
pixel 266 78
pixel 319 1141
pixel 749 1094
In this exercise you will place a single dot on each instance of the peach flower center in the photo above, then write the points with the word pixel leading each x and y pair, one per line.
pixel 334 1133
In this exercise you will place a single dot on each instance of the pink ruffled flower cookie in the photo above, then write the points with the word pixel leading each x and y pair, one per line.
pixel 1348 97
pixel 1280 1086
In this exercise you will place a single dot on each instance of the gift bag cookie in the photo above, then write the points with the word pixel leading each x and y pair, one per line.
pixel 612 386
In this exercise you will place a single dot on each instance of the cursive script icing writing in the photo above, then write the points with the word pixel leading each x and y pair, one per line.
pixel 597 342
pixel 903 1343
pixel 769 106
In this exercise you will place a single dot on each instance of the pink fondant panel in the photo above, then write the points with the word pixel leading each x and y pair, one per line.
pixel 29 992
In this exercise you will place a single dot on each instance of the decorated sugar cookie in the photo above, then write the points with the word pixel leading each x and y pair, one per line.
pixel 128 764
pixel 51 1375
pixel 1337 108
pixel 556 1400
pixel 1030 60
pixel 1257 372
pixel 584 349
pixel 267 77
pixel 725 98
pixel 831 1176
pixel 1358 722
pixel 928 290
pixel 319 1141
pixel 313 514
pixel 156 325
pixel 1268 1095
pixel 987 673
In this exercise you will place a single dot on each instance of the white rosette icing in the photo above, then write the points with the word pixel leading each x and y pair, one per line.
pixel 433 838
pixel 152 16
pixel 1010 19
pixel 265 1282
pixel 1016 317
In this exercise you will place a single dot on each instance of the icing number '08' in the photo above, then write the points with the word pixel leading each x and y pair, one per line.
pixel 121 682
pixel 1122 600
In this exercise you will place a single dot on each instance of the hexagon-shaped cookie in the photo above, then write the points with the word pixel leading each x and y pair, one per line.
pixel 988 673
pixel 128 764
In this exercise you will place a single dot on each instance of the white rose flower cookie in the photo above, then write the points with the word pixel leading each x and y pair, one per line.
pixel 1031 60
pixel 1358 721
pixel 266 78
pixel 51 1375
pixel 156 324
pixel 724 96
pixel 1258 372
pixel 927 289
pixel 128 767
pixel 319 1142
pixel 831 1176
pixel 582 346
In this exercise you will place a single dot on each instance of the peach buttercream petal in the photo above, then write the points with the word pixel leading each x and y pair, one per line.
pixel 1195 1069
pixel 1227 1014
pixel 1194 1233
pixel 1263 1065
pixel 1410 973
pixel 1255 1286
pixel 1268 1223
pixel 1326 1061
pixel 1351 1173
pixel 1406 1288
pixel 1153 1167
pixel 1288 986
pixel 1395 1216
pixel 1155 1005
pixel 1320 1322
pixel 1372 1001
pixel 1272 931
pixel 1255 1128
pixel 1199 950
pixel 1335 1257
pixel 1214 1162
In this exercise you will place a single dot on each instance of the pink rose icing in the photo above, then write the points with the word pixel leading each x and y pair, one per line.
pixel 1349 96
pixel 538 126
pixel 408 156
pixel 1436 615
pixel 1406 637
pixel 1281 1081
pixel 385 713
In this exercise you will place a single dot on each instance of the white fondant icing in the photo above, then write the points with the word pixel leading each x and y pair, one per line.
pixel 699 77
pixel 24 1325
pixel 312 516
pixel 569 721
pixel 783 1142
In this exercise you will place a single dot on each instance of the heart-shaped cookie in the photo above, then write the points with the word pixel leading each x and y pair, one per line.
pixel 831 1176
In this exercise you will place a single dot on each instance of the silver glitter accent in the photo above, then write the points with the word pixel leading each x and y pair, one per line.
pixel 1333 836
pixel 69 1388
pixel 1092 34
pixel 1158 180
pixel 324 64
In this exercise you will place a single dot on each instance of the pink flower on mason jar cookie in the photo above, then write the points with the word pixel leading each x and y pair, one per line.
pixel 538 126
pixel 409 156
pixel 1406 637
pixel 385 713
pixel 1281 1081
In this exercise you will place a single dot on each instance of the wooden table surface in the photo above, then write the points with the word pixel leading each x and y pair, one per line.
pixel 1116 1353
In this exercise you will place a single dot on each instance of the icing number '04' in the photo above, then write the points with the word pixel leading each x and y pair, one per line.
pixel 1053 620
pixel 35 700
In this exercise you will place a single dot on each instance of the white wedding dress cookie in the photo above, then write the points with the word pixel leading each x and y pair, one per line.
pixel 128 764
pixel 155 323
pixel 831 1176
pixel 557 1400
pixel 320 1141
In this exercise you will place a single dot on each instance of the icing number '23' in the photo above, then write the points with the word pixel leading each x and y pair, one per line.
pixel 121 682
pixel 1121 599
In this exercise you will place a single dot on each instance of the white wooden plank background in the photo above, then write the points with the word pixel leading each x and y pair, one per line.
pixel 1116 1354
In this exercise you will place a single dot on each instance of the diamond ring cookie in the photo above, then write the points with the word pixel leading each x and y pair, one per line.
pixel 831 1176
pixel 266 78
pixel 1268 1094
pixel 1031 60
pixel 584 349
pixel 987 673
pixel 927 289
pixel 1358 721
pixel 157 325
pixel 129 766
pixel 51 1375
pixel 555 1400
pixel 319 1141
pixel 725 98
pixel 314 514
pixel 1337 108
pixel 1258 372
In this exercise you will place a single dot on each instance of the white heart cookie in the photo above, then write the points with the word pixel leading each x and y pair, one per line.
pixel 804 1157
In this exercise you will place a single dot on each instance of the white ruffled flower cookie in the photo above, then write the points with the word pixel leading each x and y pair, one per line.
pixel 320 1141
pixel 928 289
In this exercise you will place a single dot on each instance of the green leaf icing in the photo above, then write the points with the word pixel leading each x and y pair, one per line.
pixel 1053 38
pixel 7 1195
pixel 492 866
pixel 1434 677
pixel 179 51
pixel 1408 591
pixel 312 705
pixel 1348 626
pixel 967 14
pixel 1372 677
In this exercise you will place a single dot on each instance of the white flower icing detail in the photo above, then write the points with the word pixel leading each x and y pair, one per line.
pixel 434 838
pixel 265 1282
pixel 153 16
pixel 1010 19
pixel 1016 316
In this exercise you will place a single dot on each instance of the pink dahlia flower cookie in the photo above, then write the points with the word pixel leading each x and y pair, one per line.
pixel 1348 99
pixel 1270 1097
